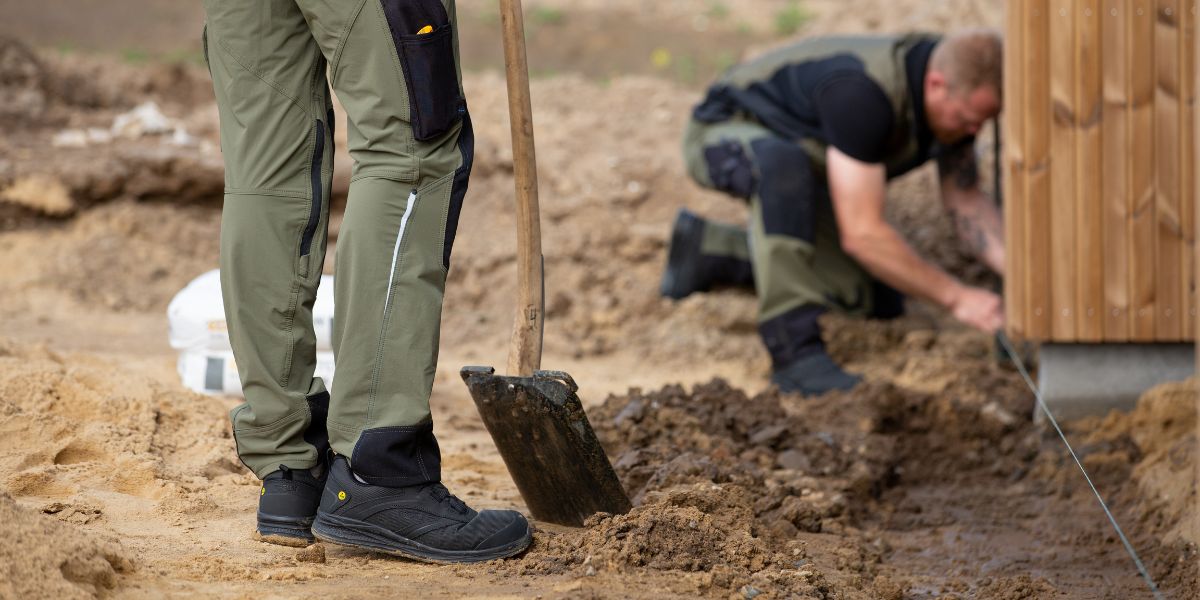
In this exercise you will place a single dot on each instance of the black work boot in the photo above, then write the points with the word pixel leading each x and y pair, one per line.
pixel 287 505
pixel 813 375
pixel 798 357
pixel 689 271
pixel 424 521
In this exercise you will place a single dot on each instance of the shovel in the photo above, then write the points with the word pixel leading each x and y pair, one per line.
pixel 534 416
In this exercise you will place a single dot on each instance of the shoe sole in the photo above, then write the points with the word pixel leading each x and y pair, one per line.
pixel 284 531
pixel 358 534
pixel 682 232
pixel 786 388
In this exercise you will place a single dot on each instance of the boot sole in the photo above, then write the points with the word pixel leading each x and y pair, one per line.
pixel 284 531
pixel 358 534
pixel 786 387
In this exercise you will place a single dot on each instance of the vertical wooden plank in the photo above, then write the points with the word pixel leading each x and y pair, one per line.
pixel 1037 170
pixel 1169 290
pixel 1089 199
pixel 1063 260
pixel 1195 203
pixel 1142 236
pixel 1115 177
pixel 1187 152
pixel 1014 167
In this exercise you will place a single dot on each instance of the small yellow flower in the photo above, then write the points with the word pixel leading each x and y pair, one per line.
pixel 660 58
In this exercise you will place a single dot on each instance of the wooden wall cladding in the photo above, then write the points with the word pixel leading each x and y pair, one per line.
pixel 1099 167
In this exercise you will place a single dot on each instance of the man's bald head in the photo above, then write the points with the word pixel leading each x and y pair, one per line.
pixel 963 83
pixel 971 59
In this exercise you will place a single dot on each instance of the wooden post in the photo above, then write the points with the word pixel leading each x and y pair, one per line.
pixel 1115 161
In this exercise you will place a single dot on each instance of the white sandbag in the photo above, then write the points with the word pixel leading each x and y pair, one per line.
pixel 214 372
pixel 196 316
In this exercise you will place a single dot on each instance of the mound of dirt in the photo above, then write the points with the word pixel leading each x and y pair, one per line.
pixel 61 154
pixel 74 427
pixel 40 89
pixel 122 256
pixel 777 492
pixel 22 85
pixel 847 495
pixel 43 558
pixel 1149 456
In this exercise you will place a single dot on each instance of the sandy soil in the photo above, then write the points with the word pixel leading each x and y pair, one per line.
pixel 929 481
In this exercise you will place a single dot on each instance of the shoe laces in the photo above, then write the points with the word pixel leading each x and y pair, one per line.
pixel 441 494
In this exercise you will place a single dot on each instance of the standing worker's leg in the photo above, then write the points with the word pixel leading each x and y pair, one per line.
pixel 394 68
pixel 269 79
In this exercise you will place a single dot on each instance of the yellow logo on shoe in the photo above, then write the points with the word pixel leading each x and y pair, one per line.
pixel 262 492
pixel 342 495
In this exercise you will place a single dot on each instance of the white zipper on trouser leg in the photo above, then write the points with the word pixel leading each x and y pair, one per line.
pixel 412 201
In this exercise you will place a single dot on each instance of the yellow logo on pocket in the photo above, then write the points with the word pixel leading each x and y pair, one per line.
pixel 342 495
pixel 262 492
pixel 424 30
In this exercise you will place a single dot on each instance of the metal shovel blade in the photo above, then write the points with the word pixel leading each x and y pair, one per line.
pixel 547 444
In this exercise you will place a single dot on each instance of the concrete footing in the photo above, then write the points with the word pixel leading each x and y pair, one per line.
pixel 1079 380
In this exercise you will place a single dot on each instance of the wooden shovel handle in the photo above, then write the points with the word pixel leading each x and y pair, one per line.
pixel 525 346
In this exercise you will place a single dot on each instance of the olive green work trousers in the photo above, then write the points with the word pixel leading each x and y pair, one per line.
pixel 394 66
pixel 792 241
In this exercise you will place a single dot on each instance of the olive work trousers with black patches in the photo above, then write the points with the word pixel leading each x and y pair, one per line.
pixel 792 242
pixel 394 66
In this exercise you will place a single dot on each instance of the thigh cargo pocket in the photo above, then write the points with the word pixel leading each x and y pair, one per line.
pixel 424 39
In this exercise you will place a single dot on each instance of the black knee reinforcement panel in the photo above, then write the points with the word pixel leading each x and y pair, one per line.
pixel 730 169
pixel 787 189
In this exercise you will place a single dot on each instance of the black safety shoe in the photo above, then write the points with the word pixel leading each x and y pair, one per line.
pixel 683 274
pixel 813 374
pixel 424 522
pixel 287 505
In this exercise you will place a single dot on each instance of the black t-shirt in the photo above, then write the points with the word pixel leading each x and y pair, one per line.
pixel 856 116
pixel 835 101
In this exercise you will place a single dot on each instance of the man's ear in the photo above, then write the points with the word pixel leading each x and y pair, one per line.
pixel 936 80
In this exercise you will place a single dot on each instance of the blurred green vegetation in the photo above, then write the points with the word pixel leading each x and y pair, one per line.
pixel 791 18
pixel 135 56
pixel 717 10
pixel 548 15
pixel 139 56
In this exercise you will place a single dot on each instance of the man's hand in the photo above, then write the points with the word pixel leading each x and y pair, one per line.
pixel 978 308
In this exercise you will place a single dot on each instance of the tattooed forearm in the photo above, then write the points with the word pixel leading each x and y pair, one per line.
pixel 978 225
pixel 972 233
pixel 958 165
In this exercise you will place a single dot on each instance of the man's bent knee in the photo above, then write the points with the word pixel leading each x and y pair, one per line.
pixel 787 189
